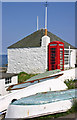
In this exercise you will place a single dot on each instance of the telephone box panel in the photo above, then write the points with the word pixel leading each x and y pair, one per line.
pixel 56 55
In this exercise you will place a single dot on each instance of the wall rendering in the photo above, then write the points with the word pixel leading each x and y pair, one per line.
pixel 4 86
pixel 29 60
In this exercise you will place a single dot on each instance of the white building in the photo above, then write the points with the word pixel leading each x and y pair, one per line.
pixel 31 53
pixel 7 79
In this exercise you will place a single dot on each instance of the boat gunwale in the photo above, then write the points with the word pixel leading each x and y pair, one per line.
pixel 56 76
pixel 70 99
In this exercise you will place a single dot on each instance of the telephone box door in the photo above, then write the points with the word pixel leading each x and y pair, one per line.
pixel 52 58
pixel 61 52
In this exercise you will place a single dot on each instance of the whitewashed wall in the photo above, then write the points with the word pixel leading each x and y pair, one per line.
pixel 70 74
pixel 29 60
pixel 73 58
pixel 33 60
pixel 14 80
pixel 3 86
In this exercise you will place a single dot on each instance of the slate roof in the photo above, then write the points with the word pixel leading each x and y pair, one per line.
pixel 7 75
pixel 34 40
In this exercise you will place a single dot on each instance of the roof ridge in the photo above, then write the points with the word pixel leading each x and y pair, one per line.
pixel 33 40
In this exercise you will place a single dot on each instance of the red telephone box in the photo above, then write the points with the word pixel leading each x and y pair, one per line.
pixel 56 55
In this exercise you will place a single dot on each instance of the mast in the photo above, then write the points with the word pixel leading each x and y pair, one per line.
pixel 37 23
pixel 46 19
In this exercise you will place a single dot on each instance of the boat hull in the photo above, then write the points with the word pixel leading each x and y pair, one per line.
pixel 31 111
pixel 48 85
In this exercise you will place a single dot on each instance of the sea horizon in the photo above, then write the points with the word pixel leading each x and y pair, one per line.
pixel 3 60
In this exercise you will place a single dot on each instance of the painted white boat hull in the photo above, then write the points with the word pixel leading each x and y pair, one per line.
pixel 48 85
pixel 39 87
pixel 30 111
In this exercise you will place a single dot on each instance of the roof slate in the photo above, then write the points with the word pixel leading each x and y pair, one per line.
pixel 7 75
pixel 34 40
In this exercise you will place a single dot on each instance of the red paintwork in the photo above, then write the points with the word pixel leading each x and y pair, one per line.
pixel 54 56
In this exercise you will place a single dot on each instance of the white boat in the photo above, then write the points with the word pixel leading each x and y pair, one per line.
pixel 30 88
pixel 49 83
pixel 41 104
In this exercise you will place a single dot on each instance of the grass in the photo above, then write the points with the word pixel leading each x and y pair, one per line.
pixel 22 77
pixel 71 84
pixel 74 107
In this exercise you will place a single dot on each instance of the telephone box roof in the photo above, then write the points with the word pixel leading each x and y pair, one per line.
pixel 57 42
